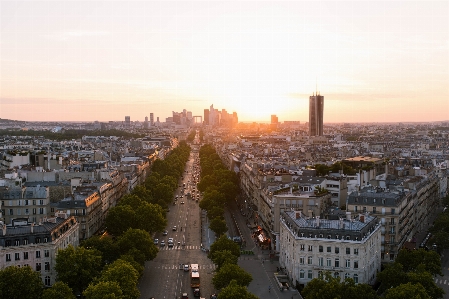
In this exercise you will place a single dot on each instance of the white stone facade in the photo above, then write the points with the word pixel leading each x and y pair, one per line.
pixel 346 248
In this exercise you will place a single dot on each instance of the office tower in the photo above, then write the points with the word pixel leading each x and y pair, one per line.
pixel 274 119
pixel 206 116
pixel 316 108
pixel 151 119
pixel 145 124
pixel 127 121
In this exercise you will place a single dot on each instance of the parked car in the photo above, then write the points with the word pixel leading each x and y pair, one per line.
pixel 156 241
pixel 162 243
pixel 174 228
pixel 184 296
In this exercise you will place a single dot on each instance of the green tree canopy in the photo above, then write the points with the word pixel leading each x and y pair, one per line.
pixel 119 219
pixel 233 290
pixel 218 226
pixel 104 290
pixel 125 275
pixel 411 259
pixel 230 272
pixel 408 290
pixel 57 291
pixel 140 241
pixel 19 283
pixel 77 267
pixel 104 244
pixel 224 257
pixel 223 243
pixel 329 287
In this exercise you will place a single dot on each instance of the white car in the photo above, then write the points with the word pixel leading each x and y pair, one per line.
pixel 156 241
pixel 170 240
pixel 162 243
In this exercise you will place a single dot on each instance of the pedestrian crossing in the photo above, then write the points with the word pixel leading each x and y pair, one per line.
pixel 180 267
pixel 443 281
pixel 187 247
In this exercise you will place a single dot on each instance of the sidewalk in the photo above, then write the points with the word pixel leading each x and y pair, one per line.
pixel 207 235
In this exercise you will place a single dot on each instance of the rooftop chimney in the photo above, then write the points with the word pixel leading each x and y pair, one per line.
pixel 348 216
pixel 362 218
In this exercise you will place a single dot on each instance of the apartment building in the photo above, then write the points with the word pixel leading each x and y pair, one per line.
pixel 30 203
pixel 25 244
pixel 348 248
pixel 404 207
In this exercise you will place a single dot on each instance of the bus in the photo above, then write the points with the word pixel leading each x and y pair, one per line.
pixel 194 276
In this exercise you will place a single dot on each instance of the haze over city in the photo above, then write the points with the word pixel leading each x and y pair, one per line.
pixel 101 60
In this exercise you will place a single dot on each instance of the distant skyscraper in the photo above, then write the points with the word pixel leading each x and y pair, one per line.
pixel 274 119
pixel 206 116
pixel 145 124
pixel 316 109
pixel 151 119
pixel 128 121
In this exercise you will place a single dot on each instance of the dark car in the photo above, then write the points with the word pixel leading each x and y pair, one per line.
pixel 196 292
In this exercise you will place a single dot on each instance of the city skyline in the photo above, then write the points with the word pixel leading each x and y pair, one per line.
pixel 86 61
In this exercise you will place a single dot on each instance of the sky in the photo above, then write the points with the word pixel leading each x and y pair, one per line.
pixel 372 61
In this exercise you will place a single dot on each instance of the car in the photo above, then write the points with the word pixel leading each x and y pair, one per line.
pixel 162 243
pixel 182 202
pixel 156 241
pixel 184 296
pixel 186 267
pixel 174 228
pixel 196 292
pixel 165 232
pixel 170 240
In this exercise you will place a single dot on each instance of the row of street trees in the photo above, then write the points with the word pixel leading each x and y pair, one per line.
pixel 410 276
pixel 230 279
pixel 440 229
pixel 109 266
pixel 219 186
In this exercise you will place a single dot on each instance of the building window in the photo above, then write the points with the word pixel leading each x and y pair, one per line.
pixel 355 209
pixel 301 260
pixel 348 263
pixel 348 250
pixel 392 257
pixel 347 275
pixel 301 247
pixel 25 255
pixel 356 278
pixel 301 273
pixel 16 242
pixel 11 212
pixel 337 263
pixel 41 211
pixel 8 257
pixel 309 274
pixel 321 261
pixel 46 253
pixel 7 243
pixel 309 260
pixel 374 210
pixel 17 256
pixel 37 240
pixel 320 248
pixel 329 249
pixel 47 281
pixel 320 274
pixel 310 247
pixel 47 266
pixel 38 266
pixel 328 262
pixel 356 251
pixel 364 209
pixel 392 221
pixel 393 211
pixel 337 249
pixel 46 240
pixel 337 275
pixel 38 254
pixel 356 264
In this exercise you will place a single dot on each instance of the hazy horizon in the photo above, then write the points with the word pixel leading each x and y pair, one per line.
pixel 84 61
